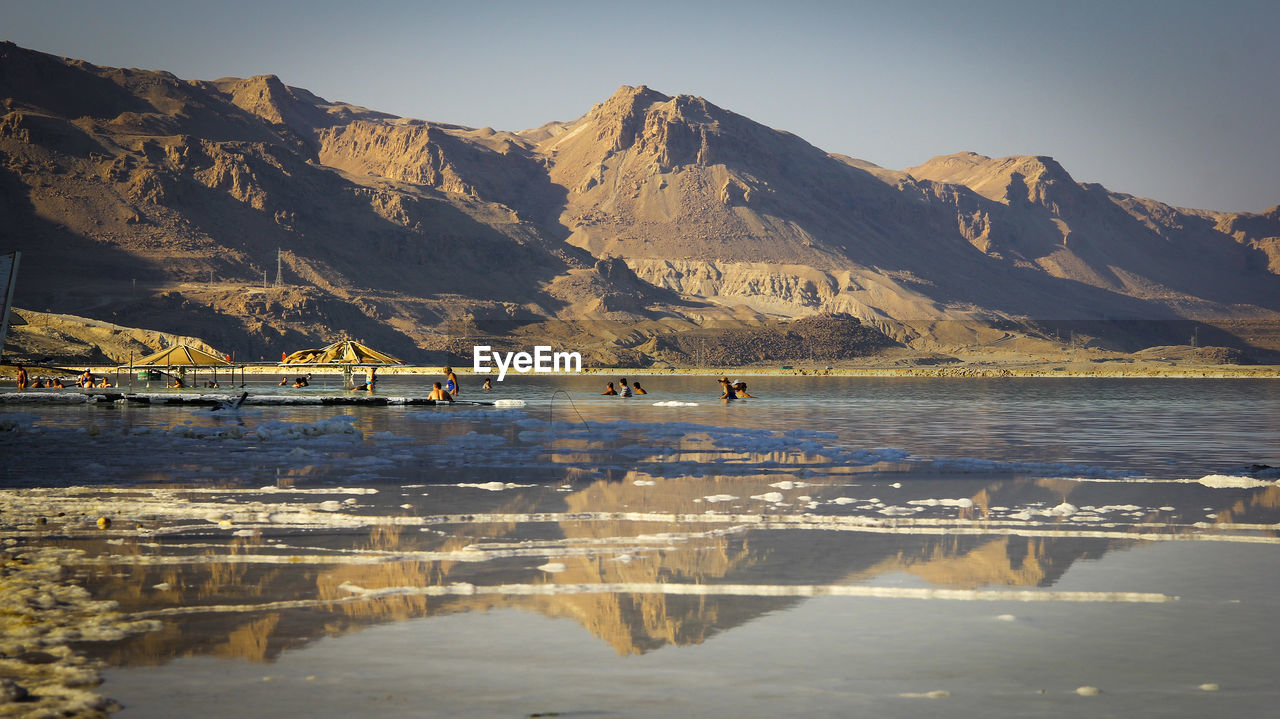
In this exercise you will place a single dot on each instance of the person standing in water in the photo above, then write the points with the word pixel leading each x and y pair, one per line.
pixel 450 382
pixel 729 394
pixel 624 389
pixel 22 377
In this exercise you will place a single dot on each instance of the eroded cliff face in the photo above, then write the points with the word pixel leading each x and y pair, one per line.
pixel 789 290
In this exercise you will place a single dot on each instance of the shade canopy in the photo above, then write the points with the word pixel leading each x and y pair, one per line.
pixel 346 352
pixel 181 356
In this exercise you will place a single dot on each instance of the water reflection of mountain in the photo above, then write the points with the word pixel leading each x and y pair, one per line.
pixel 628 552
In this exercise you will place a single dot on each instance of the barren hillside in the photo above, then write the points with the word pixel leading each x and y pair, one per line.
pixel 153 201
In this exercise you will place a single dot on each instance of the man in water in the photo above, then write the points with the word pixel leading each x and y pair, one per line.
pixel 22 377
pixel 638 389
pixel 609 390
pixel 741 389
pixel 439 394
pixel 624 389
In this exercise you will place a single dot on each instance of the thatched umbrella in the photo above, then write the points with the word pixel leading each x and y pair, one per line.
pixel 180 358
pixel 345 355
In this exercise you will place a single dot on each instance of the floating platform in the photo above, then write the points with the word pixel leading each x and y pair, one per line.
pixel 211 399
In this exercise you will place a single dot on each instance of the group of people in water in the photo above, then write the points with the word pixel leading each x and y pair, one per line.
pixel 730 389
pixel 624 389
pixel 445 391
pixel 298 383
pixel 733 389
pixel 84 380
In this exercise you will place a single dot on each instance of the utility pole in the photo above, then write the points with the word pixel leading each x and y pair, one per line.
pixel 279 267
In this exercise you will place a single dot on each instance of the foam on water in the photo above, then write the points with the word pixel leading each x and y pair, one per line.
pixel 41 616
pixel 692 509
pixel 1219 481
pixel 756 590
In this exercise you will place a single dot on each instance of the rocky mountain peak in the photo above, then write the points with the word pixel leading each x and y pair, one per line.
pixel 1038 179
pixel 619 121
pixel 263 95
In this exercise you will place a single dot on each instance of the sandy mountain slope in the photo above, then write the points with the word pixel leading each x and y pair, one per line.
pixel 160 202
pixel 709 203
pixel 1085 233
pixel 167 203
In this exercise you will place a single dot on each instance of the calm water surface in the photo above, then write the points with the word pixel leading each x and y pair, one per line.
pixel 837 547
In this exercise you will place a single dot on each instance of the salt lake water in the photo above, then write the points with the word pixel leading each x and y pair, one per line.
pixel 835 547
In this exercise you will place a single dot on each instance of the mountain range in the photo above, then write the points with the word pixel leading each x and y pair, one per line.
pixel 262 218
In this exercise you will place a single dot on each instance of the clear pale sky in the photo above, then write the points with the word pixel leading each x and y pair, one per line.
pixel 1174 100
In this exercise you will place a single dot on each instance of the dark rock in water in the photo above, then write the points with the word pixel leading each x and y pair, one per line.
pixel 11 691
pixel 36 657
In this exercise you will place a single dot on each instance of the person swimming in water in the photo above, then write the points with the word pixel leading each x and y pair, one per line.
pixel 740 388
pixel 609 390
pixel 637 388
pixel 624 389
pixel 728 394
